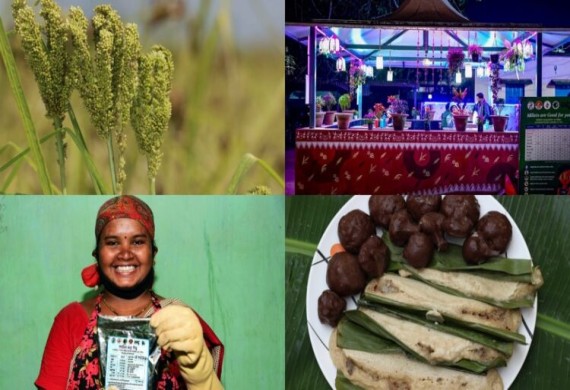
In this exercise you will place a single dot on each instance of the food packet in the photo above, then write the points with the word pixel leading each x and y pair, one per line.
pixel 129 352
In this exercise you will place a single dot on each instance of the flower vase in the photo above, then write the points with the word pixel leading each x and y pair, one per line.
pixel 494 58
pixel 343 119
pixel 427 125
pixel 319 117
pixel 460 122
pixel 475 57
pixel 499 122
pixel 370 124
pixel 399 120
pixel 329 118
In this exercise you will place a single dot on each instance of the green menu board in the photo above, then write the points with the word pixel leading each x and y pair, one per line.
pixel 545 146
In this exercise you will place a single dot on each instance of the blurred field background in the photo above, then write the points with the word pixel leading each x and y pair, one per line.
pixel 227 99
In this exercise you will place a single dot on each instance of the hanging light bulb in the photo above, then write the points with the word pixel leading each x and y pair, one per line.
pixel 379 59
pixel 340 65
pixel 480 72
pixel 458 77
pixel 468 71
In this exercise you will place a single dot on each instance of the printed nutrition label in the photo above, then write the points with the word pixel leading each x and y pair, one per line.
pixel 547 144
pixel 127 364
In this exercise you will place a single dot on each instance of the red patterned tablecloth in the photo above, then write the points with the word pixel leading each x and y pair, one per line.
pixel 390 162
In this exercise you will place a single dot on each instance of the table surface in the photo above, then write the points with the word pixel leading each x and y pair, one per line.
pixel 544 222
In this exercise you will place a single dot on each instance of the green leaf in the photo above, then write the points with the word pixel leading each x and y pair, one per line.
pixel 478 337
pixel 352 335
pixel 343 383
pixel 247 161
pixel 452 260
pixel 303 248
pixel 375 328
pixel 31 135
pixel 526 301
pixel 421 310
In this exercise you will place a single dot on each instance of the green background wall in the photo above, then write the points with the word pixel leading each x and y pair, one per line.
pixel 222 255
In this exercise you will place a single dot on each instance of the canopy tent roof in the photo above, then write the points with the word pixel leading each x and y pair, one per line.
pixel 426 10
pixel 408 47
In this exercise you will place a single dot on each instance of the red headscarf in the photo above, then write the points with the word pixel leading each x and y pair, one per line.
pixel 124 206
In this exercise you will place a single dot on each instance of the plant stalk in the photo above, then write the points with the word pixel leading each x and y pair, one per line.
pixel 152 185
pixel 112 164
pixel 31 134
pixel 60 146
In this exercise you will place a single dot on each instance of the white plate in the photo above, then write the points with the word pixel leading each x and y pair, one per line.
pixel 320 333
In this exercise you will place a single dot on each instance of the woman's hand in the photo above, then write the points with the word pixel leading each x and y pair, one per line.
pixel 179 330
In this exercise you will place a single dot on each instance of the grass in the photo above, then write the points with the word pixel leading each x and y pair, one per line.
pixel 227 103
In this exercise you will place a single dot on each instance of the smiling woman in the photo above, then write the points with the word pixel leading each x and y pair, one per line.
pixel 191 355
pixel 200 250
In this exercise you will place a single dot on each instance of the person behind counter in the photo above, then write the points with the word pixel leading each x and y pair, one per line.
pixel 483 110
pixel 125 252
pixel 447 116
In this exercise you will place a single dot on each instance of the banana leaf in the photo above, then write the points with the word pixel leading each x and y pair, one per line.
pixel 505 347
pixel 525 301
pixel 375 328
pixel 452 260
pixel 353 336
pixel 500 333
pixel 545 367
pixel 343 383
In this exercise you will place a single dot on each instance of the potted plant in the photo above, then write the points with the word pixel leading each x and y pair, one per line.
pixel 320 114
pixel 329 102
pixel 344 102
pixel 370 118
pixel 455 58
pixel 475 51
pixel 499 121
pixel 398 109
pixel 379 112
pixel 462 114
pixel 343 118
pixel 356 76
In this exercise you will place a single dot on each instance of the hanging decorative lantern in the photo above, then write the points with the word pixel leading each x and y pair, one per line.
pixel 528 50
pixel 340 65
pixel 468 71
pixel 390 75
pixel 487 71
pixel 379 58
pixel 458 77
pixel 379 62
pixel 369 71
pixel 334 45
pixel 324 45
pixel 480 72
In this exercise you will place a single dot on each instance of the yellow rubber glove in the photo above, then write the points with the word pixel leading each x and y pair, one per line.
pixel 179 330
